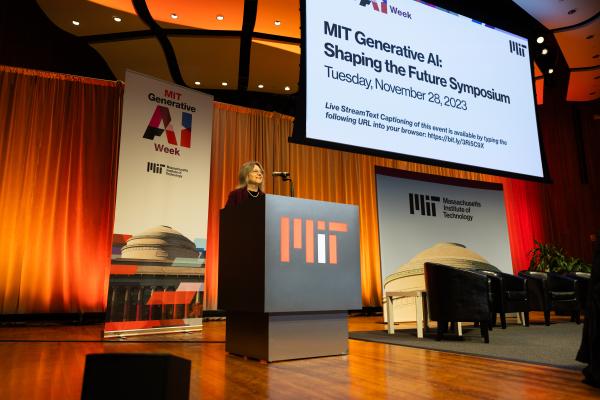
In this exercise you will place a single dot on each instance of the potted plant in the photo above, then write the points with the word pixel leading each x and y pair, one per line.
pixel 574 264
pixel 546 257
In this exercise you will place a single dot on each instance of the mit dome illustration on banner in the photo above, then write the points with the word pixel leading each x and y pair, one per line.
pixel 156 283
pixel 161 243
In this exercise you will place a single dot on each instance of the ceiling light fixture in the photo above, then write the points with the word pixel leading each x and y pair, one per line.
pixel 544 51
pixel 260 86
pixel 174 16
pixel 572 11
pixel 117 19
pixel 197 83
pixel 550 71
pixel 76 23
pixel 287 88
pixel 224 83
pixel 540 39
pixel 277 22
pixel 220 17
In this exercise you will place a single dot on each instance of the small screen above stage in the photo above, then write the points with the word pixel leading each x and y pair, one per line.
pixel 406 79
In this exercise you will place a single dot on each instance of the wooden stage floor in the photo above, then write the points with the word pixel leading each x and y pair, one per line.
pixel 46 362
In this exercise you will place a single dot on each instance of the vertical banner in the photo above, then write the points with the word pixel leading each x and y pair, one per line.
pixel 159 238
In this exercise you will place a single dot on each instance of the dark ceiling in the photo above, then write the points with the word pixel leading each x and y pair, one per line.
pixel 247 49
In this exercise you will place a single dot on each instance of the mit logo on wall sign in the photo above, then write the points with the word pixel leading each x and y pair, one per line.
pixel 423 203
pixel 326 240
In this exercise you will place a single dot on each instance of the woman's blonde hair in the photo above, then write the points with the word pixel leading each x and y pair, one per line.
pixel 245 170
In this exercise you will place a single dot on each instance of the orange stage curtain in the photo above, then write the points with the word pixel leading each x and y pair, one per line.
pixel 242 134
pixel 58 155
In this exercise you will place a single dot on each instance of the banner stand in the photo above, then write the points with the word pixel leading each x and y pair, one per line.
pixel 159 238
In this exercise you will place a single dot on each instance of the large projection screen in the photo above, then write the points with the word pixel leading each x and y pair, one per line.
pixel 406 79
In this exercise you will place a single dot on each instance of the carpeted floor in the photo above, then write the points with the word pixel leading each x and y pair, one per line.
pixel 554 345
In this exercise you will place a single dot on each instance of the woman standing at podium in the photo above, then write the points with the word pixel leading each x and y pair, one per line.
pixel 250 185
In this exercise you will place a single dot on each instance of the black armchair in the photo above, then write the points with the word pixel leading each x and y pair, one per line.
pixel 456 295
pixel 548 291
pixel 582 282
pixel 509 294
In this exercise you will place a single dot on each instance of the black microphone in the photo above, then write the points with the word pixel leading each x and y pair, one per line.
pixel 284 174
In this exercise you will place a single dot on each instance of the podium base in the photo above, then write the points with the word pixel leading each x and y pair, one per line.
pixel 287 336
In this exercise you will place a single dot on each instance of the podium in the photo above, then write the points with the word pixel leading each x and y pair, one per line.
pixel 289 271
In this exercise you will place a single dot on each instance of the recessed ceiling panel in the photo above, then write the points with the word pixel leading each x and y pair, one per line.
pixel 83 18
pixel 141 55
pixel 208 60
pixel 122 5
pixel 581 46
pixel 584 85
pixel 198 14
pixel 290 47
pixel 287 13
pixel 275 65
pixel 536 70
pixel 539 84
pixel 555 14
pixel 539 91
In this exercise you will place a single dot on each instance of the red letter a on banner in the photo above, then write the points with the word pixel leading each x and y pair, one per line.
pixel 161 114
